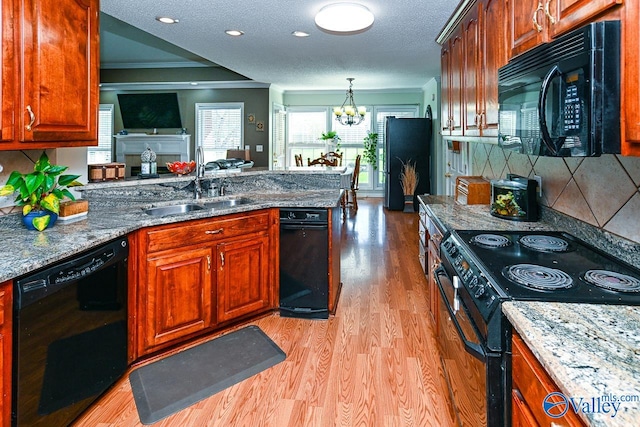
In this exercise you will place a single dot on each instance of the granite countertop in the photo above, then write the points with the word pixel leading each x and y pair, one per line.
pixel 591 351
pixel 117 208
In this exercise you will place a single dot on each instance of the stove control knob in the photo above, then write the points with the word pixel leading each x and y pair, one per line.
pixel 480 291
pixel 474 282
pixel 453 251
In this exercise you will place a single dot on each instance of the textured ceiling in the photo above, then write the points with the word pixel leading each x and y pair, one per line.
pixel 398 52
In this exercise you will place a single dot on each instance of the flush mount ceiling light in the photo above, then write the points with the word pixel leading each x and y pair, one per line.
pixel 344 17
pixel 349 113
pixel 166 20
pixel 235 33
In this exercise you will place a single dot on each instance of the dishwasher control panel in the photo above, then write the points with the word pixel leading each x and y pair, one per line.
pixel 304 215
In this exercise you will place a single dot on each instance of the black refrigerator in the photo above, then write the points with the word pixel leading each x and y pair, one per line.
pixel 406 140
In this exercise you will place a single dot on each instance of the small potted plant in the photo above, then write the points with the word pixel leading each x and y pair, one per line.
pixel 40 192
pixel 332 136
pixel 370 154
pixel 409 178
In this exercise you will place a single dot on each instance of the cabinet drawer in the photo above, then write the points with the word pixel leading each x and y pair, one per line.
pixel 203 231
pixel 532 383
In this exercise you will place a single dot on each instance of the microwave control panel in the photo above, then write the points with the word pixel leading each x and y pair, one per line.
pixel 573 104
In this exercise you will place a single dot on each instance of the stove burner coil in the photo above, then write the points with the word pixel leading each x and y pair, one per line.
pixel 538 277
pixel 491 240
pixel 539 242
pixel 612 280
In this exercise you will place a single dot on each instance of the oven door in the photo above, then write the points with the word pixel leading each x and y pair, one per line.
pixel 463 354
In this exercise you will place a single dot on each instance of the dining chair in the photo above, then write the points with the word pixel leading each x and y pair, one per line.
pixel 350 197
pixel 322 161
pixel 298 159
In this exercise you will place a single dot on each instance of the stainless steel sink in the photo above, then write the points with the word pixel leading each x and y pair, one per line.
pixel 173 209
pixel 225 204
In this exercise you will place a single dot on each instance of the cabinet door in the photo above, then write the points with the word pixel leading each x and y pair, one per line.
pixel 472 73
pixel 457 83
pixel 565 15
pixel 242 277
pixel 6 290
pixel 494 56
pixel 178 299
pixel 59 71
pixel 527 19
pixel 7 76
pixel 445 88
pixel 631 78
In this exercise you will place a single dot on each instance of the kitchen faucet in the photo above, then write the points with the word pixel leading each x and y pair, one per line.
pixel 197 181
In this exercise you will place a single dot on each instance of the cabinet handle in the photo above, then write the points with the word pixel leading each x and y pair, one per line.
pixel 447 175
pixel 208 262
pixel 218 231
pixel 550 17
pixel 483 120
pixel 537 26
pixel 222 259
pixel 32 118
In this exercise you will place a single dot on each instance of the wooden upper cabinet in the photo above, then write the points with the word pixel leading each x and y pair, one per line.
pixel 445 85
pixel 7 75
pixel 494 56
pixel 57 94
pixel 472 91
pixel 631 78
pixel 456 90
pixel 537 21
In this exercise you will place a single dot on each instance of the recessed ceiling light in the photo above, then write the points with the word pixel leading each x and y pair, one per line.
pixel 300 34
pixel 344 17
pixel 194 83
pixel 166 20
pixel 234 33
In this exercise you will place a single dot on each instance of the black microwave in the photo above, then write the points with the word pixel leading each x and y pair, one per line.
pixel 562 98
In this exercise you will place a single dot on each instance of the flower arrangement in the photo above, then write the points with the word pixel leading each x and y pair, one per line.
pixel 409 178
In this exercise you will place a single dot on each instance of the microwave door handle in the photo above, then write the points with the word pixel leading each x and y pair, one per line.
pixel 542 100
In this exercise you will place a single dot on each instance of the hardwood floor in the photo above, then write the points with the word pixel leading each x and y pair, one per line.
pixel 372 364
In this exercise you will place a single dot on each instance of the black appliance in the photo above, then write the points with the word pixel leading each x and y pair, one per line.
pixel 304 263
pixel 515 198
pixel 563 98
pixel 480 270
pixel 70 335
pixel 405 140
pixel 150 110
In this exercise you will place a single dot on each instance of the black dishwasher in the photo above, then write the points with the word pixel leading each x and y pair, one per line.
pixel 304 263
pixel 70 335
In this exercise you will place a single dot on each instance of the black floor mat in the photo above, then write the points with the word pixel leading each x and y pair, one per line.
pixel 82 366
pixel 172 384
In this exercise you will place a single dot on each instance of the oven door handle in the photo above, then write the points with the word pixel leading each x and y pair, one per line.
pixel 472 348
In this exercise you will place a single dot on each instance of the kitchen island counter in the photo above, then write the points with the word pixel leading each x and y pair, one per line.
pixel 591 351
pixel 117 209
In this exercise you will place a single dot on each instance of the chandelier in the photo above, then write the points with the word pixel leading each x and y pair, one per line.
pixel 349 113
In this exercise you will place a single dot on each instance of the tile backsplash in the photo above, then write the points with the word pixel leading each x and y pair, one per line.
pixel 602 191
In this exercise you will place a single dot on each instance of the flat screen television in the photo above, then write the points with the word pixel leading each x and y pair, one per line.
pixel 149 110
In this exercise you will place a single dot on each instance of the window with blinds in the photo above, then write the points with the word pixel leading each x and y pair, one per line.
pixel 102 153
pixel 219 128
pixel 279 129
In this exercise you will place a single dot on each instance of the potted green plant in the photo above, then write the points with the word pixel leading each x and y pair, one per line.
pixel 332 136
pixel 40 192
pixel 370 154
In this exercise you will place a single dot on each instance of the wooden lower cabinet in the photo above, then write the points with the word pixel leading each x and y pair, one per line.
pixel 530 386
pixel 178 296
pixel 243 277
pixel 6 301
pixel 430 237
pixel 184 289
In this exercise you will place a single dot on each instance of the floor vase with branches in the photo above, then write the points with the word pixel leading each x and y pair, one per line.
pixel 409 178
